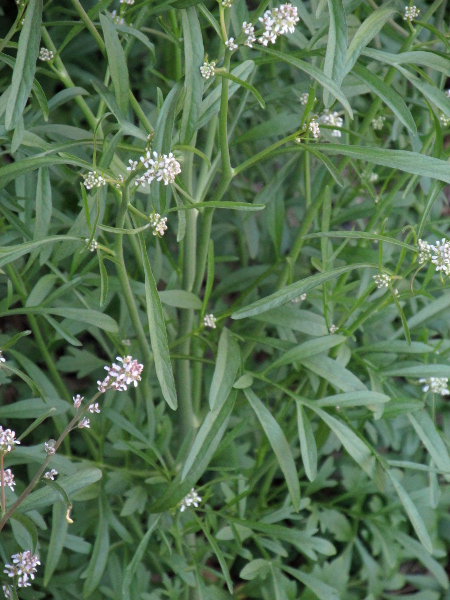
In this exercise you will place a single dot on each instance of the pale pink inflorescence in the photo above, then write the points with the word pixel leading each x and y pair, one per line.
pixel 51 474
pixel 8 478
pixel 120 376
pixel 192 499
pixel 24 567
pixel 77 400
pixel 278 21
pixel 7 440
pixel 162 167
pixel 158 223
pixel 84 423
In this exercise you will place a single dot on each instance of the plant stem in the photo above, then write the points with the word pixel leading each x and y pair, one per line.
pixel 2 477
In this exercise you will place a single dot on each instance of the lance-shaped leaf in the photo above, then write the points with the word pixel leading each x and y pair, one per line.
pixel 193 82
pixel 335 55
pixel 117 63
pixel 227 365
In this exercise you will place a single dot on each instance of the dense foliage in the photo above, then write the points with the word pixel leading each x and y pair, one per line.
pixel 245 204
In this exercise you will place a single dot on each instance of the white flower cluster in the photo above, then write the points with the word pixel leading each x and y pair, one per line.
pixel 51 474
pixel 278 21
pixel 227 3
pixel 77 400
pixel 230 44
pixel 249 30
pixel 411 12
pixel 373 177
pixel 129 2
pixel 333 119
pixel 333 329
pixel 2 358
pixel 6 592
pixel 161 167
pixel 158 223
pixel 84 423
pixel 192 499
pixel 314 128
pixel 92 246
pixel 299 299
pixel 24 567
pixel 93 179
pixel 207 69
pixel 424 251
pixel 447 93
pixel 8 479
pixel 438 385
pixel 304 99
pixel 445 120
pixel 382 280
pixel 209 321
pixel 7 440
pixel 441 256
pixel 46 55
pixel 94 408
pixel 378 123
pixel 117 19
pixel 50 449
pixel 133 165
pixel 120 376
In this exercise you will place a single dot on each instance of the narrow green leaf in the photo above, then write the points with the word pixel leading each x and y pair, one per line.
pixel 43 204
pixel 413 514
pixel 158 335
pixel 363 235
pixel 415 549
pixel 427 432
pixel 30 530
pixel 244 84
pixel 227 365
pixel 193 81
pixel 293 291
pixel 314 72
pixel 117 63
pixel 180 299
pixel 215 547
pixel 99 557
pixel 326 161
pixel 322 590
pixel 57 539
pixel 411 162
pixel 91 317
pixel 388 95
pixel 418 57
pixel 335 55
pixel 25 67
pixel 137 558
pixel 307 349
pixel 334 373
pixel 359 398
pixel 432 93
pixel 245 206
pixel 307 443
pixel 103 279
pixel 279 445
pixel 139 36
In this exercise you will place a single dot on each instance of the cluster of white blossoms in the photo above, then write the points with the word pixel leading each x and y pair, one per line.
pixel 51 474
pixel 333 119
pixel 378 123
pixel 2 358
pixel 445 120
pixel 249 30
pixel 117 19
pixel 158 223
pixel 227 3
pixel 209 321
pixel 299 299
pixel 333 329
pixel 49 446
pixel 85 422
pixel 438 385
pixel 46 55
pixel 120 376
pixel 207 70
pixel 92 246
pixel 304 98
pixel 424 251
pixel 133 165
pixel 411 12
pixel 373 177
pixel 8 479
pixel 438 253
pixel 77 400
pixel 93 179
pixel 231 44
pixel 23 567
pixel 382 280
pixel 278 21
pixel 192 499
pixel 129 2
pixel 161 167
pixel 7 440
pixel 314 128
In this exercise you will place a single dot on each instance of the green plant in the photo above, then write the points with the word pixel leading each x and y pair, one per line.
pixel 243 203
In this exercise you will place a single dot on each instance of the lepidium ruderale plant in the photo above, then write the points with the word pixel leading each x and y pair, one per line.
pixel 238 209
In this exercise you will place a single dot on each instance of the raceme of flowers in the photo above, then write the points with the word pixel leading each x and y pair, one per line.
pixel 8 479
pixel 304 98
pixel 333 329
pixel 333 119
pixel 161 167
pixel 438 385
pixel 382 280
pixel 93 179
pixel 314 128
pixel 51 474
pixel 7 440
pixel 45 55
pixel 120 376
pixel 438 253
pixel 231 44
pixel 249 30
pixel 207 71
pixel 50 447
pixel 192 499
pixel 278 21
pixel 92 246
pixel 23 567
pixel 411 12
pixel 209 321
pixel 445 120
pixel 378 123
pixel 158 223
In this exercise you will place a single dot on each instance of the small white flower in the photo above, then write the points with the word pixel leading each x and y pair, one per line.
pixel 382 280
pixel 93 179
pixel 158 223
pixel 2 358
pixel 8 478
pixel 227 3
pixel 209 321
pixel 299 299
pixel 438 385
pixel 50 447
pixel 377 123
pixel 7 592
pixel 333 119
pixel 249 30
pixel 278 21
pixel 92 246
pixel 161 167
pixel 117 19
pixel 133 165
pixel 94 408
pixel 51 474
pixel 24 567
pixel 424 251
pixel 192 499
pixel 207 69
pixel 7 440
pixel 444 120
pixel 84 423
pixel 314 128
pixel 411 12
pixel 373 177
pixel 45 55
pixel 304 99
pixel 77 400
pixel 120 376
pixel 333 328
pixel 230 44
pixel 440 256
pixel 129 2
